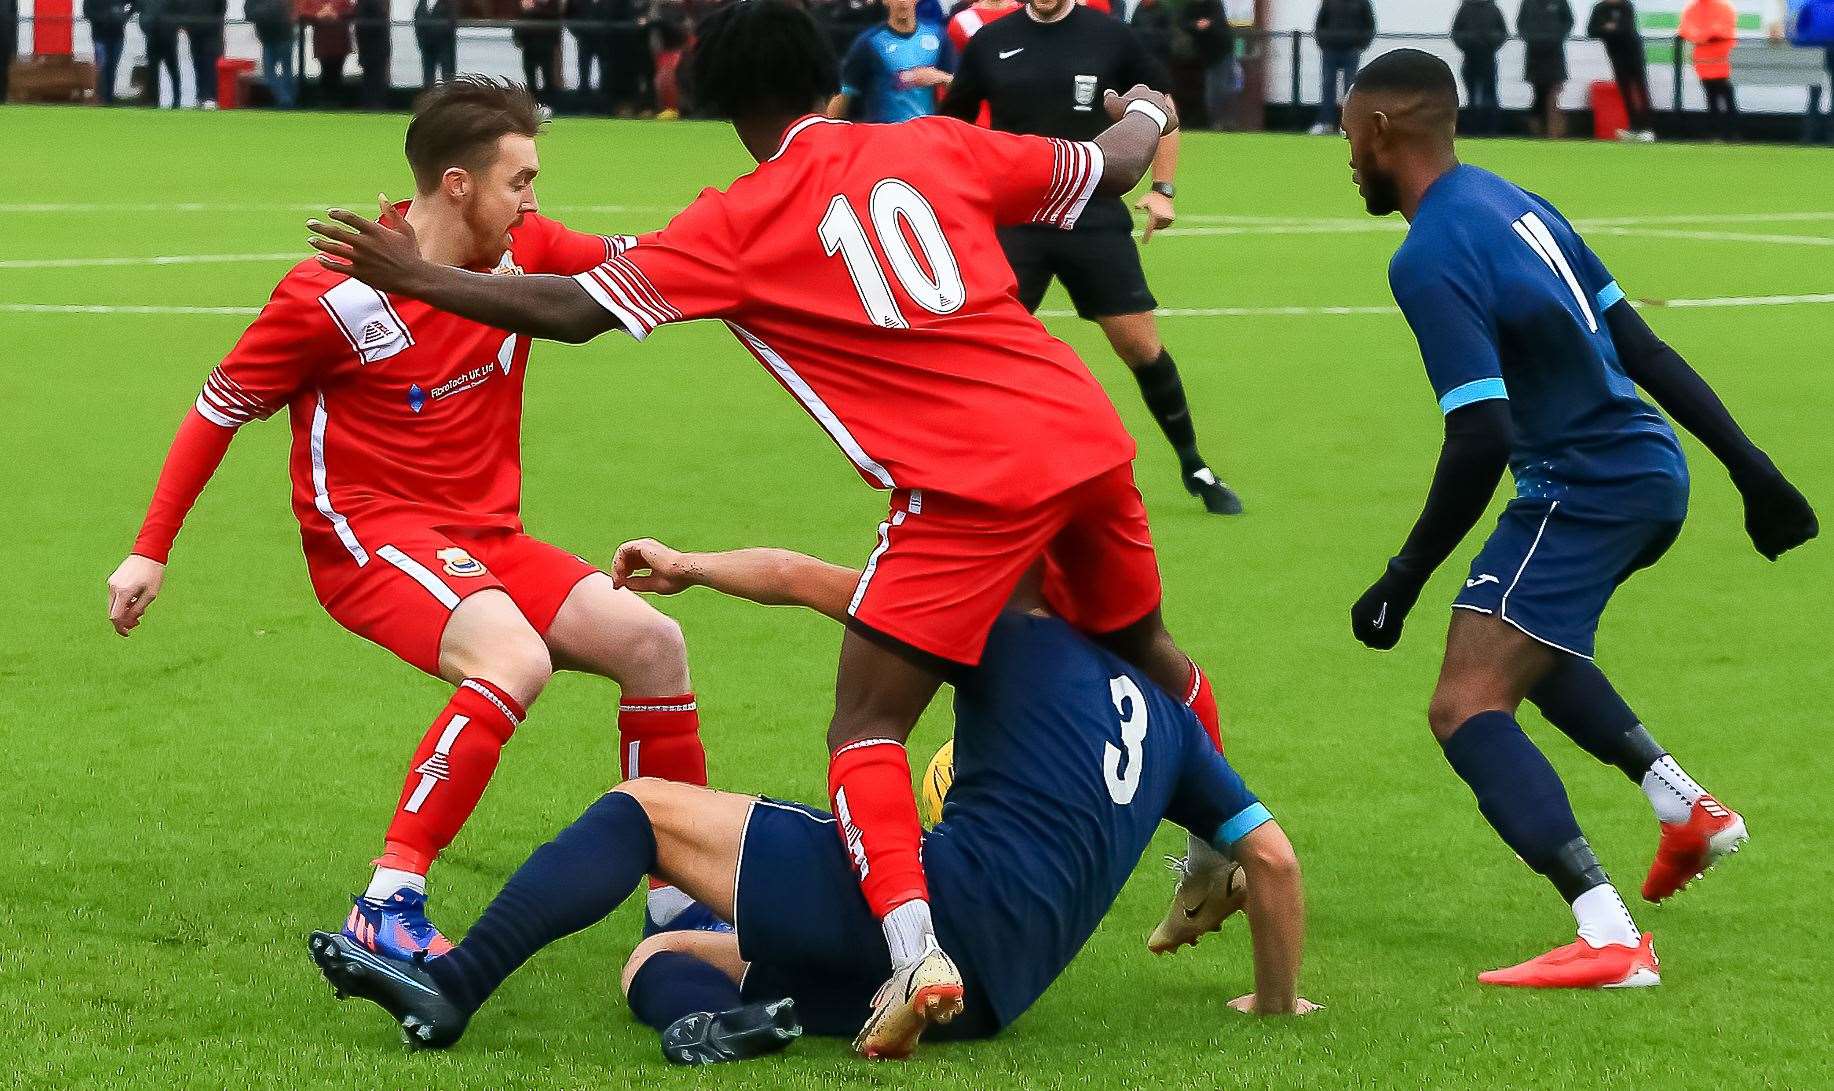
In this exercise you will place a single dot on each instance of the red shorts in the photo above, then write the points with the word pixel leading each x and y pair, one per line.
pixel 945 567
pixel 417 575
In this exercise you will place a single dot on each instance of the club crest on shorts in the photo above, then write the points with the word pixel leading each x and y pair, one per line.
pixel 457 562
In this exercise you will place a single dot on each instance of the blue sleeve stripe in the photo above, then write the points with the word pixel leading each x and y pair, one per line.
pixel 1610 296
pixel 1478 390
pixel 1243 824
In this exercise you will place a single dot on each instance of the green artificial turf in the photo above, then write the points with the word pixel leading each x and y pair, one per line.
pixel 183 806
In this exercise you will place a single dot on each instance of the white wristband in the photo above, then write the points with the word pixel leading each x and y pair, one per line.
pixel 1158 116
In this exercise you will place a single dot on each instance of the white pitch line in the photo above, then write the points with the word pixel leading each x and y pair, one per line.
pixel 98 308
pixel 172 259
pixel 1717 236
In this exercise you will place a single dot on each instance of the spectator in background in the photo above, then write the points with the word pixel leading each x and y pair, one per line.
pixel 161 47
pixel 1343 30
pixel 9 41
pixel 375 43
pixel 1543 26
pixel 330 23
pixel 586 20
pixel 895 71
pixel 1614 23
pixel 669 37
pixel 436 33
pixel 1153 23
pixel 1712 28
pixel 538 36
pixel 1207 22
pixel 273 23
pixel 107 29
pixel 202 21
pixel 632 65
pixel 1479 31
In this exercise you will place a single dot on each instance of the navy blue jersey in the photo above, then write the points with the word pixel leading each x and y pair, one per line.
pixel 873 71
pixel 1066 760
pixel 1508 302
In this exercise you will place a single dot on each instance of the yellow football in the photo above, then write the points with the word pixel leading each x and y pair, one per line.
pixel 936 781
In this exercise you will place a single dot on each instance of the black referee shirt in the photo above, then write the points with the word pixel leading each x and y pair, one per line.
pixel 1048 78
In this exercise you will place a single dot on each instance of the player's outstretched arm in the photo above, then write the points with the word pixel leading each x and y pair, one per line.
pixel 1471 462
pixel 1276 919
pixel 1141 117
pixel 770 577
pixel 385 257
pixel 197 450
pixel 1777 516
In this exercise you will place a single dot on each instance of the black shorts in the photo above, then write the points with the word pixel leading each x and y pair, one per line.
pixel 807 932
pixel 1099 267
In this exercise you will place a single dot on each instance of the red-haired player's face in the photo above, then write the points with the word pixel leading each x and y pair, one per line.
pixel 500 195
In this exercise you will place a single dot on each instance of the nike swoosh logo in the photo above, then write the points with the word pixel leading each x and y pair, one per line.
pixel 1191 912
pixel 1381 617
pixel 1004 54
pixel 1481 580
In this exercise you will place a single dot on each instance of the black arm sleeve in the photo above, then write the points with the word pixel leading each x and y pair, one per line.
pixel 1683 394
pixel 1479 437
pixel 965 90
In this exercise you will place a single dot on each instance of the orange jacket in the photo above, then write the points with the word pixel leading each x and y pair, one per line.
pixel 1712 25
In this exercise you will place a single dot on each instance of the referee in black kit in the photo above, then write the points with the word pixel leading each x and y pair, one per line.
pixel 1043 70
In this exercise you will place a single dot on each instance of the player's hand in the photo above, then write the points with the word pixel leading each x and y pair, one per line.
pixel 1247 1006
pixel 132 589
pixel 1377 617
pixel 1158 209
pixel 1777 516
pixel 648 565
pixel 382 254
pixel 1116 105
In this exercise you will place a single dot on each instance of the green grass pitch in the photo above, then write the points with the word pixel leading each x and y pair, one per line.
pixel 182 807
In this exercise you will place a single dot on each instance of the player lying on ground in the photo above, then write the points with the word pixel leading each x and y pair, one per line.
pixel 1066 759
pixel 407 486
pixel 997 444
pixel 1536 355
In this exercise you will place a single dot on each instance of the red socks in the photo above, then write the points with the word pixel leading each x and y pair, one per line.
pixel 448 774
pixel 869 783
pixel 1201 699
pixel 660 737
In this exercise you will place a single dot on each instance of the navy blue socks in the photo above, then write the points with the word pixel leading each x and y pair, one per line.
pixel 1577 698
pixel 671 984
pixel 1521 796
pixel 570 883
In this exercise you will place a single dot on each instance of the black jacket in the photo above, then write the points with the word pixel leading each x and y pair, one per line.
pixel 1543 26
pixel 1614 22
pixel 102 14
pixel 1345 26
pixel 1479 30
pixel 9 27
pixel 372 33
pixel 1153 23
pixel 1215 42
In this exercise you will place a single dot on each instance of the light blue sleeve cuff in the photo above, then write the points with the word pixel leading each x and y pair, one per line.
pixel 1478 390
pixel 1241 826
pixel 1609 296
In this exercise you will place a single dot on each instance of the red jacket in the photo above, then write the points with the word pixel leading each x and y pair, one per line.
pixel 1712 25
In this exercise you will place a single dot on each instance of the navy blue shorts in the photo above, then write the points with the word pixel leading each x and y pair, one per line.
pixel 807 932
pixel 1549 570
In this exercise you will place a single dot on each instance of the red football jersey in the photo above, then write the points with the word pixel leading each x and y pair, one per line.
pixel 397 408
pixel 860 266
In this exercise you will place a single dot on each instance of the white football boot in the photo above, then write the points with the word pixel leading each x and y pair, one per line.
pixel 923 991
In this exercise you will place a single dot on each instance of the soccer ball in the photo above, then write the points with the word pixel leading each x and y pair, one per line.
pixel 936 781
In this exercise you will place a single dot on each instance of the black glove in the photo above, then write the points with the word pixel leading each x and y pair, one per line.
pixel 1777 517
pixel 1377 616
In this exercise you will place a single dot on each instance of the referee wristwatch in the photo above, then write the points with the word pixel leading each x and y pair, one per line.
pixel 1165 189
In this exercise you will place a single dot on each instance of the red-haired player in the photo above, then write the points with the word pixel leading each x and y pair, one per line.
pixel 406 472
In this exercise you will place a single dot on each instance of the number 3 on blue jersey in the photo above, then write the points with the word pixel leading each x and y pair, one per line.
pixel 1534 232
pixel 1121 765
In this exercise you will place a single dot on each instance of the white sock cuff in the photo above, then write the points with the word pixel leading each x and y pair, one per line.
pixel 387 880
pixel 908 930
